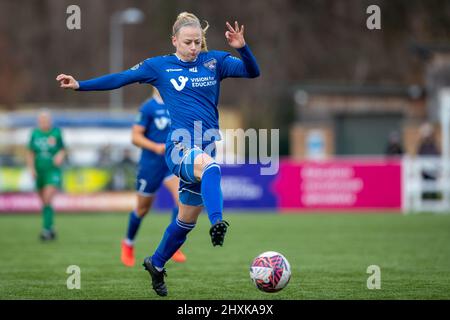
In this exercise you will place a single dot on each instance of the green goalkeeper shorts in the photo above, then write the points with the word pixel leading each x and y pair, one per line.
pixel 48 178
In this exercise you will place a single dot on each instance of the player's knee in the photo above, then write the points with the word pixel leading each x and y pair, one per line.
pixel 212 169
pixel 190 218
pixel 47 197
pixel 201 162
pixel 189 213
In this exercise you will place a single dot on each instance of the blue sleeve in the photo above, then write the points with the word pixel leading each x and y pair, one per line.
pixel 237 68
pixel 142 72
pixel 143 118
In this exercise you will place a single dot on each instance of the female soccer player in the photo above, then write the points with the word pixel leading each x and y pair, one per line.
pixel 150 132
pixel 44 159
pixel 189 83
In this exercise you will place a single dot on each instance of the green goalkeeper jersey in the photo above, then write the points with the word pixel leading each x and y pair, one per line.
pixel 45 144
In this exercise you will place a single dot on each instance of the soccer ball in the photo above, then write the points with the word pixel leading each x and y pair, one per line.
pixel 270 271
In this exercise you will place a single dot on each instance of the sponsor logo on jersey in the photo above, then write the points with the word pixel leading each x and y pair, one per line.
pixel 42 144
pixel 182 84
pixel 203 82
pixel 162 122
pixel 173 70
pixel 194 69
pixel 161 111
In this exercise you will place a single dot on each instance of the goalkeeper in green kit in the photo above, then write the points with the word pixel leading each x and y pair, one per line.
pixel 45 156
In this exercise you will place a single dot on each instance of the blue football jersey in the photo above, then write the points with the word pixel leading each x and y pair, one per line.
pixel 154 117
pixel 190 90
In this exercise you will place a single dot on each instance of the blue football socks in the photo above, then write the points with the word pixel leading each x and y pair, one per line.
pixel 212 193
pixel 133 226
pixel 172 240
pixel 174 213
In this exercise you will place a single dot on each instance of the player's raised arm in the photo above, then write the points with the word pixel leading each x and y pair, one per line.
pixel 139 73
pixel 232 67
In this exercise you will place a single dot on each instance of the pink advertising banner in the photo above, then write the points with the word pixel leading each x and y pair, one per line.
pixel 340 184
pixel 29 202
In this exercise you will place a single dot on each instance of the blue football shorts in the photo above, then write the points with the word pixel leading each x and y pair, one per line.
pixel 180 161
pixel 151 175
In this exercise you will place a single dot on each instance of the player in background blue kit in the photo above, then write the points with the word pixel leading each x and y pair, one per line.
pixel 189 83
pixel 150 133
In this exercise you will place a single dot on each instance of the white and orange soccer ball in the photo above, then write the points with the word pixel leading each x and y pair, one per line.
pixel 270 271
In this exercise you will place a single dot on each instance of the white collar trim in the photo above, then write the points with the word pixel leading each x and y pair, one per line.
pixel 184 60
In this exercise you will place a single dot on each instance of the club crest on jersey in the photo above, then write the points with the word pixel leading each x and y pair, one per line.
pixel 211 64
pixel 182 84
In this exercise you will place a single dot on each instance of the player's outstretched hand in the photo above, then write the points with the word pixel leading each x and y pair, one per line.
pixel 67 82
pixel 235 36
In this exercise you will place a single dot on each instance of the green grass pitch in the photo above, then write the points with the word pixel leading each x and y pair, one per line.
pixel 329 255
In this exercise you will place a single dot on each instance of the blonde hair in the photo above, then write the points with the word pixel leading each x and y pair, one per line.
pixel 185 19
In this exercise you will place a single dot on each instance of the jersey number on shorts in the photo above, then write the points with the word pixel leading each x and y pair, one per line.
pixel 143 185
